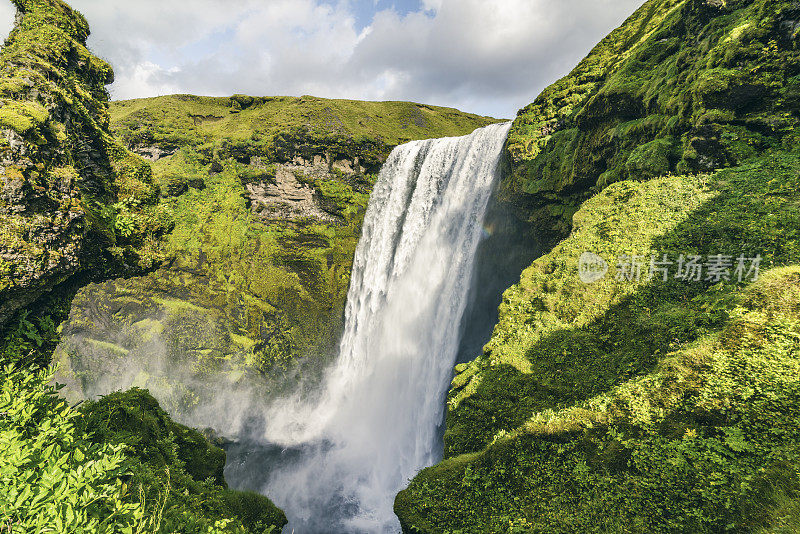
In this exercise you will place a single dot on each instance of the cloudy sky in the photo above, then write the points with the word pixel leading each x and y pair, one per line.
pixel 488 57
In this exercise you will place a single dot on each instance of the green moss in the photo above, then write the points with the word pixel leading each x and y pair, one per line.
pixel 275 128
pixel 681 86
pixel 293 276
pixel 22 117
pixel 624 406
pixel 62 164
pixel 175 468
pixel 651 159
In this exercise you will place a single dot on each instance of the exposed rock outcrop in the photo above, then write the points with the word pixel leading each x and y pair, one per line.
pixel 288 199
pixel 59 164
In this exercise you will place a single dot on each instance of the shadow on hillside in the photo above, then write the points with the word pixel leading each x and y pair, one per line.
pixel 755 212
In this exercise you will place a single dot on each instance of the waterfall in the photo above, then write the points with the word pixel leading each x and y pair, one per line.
pixel 374 424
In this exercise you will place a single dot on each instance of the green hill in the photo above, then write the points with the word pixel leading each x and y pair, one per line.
pixel 639 403
pixel 246 126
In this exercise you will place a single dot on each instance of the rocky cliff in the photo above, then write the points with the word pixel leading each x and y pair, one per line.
pixel 681 87
pixel 76 205
pixel 63 177
pixel 264 198
pixel 652 385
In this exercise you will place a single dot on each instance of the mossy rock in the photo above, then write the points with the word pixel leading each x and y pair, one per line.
pixel 64 175
pixel 181 459
pixel 651 159
pixel 682 86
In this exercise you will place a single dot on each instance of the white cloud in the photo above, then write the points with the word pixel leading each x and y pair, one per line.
pixel 485 57
pixel 139 81
pixel 7 11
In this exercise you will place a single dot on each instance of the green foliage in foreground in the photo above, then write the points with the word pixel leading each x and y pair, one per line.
pixel 657 406
pixel 117 465
pixel 51 479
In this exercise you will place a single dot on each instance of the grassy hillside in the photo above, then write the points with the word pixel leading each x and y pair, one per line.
pixel 245 126
pixel 644 404
pixel 637 406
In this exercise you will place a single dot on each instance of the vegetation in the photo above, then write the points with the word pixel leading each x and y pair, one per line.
pixel 115 465
pixel 625 406
pixel 278 128
pixel 639 403
pixel 175 473
pixel 250 296
pixel 51 478
pixel 682 86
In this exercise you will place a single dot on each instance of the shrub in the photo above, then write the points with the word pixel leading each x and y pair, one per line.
pixel 51 479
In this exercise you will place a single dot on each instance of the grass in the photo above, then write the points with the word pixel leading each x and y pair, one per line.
pixel 274 127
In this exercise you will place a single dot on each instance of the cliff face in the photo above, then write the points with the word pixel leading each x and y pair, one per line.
pixel 682 86
pixel 61 170
pixel 642 402
pixel 75 204
pixel 265 198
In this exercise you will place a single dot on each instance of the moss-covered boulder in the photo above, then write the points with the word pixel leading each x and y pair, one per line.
pixel 175 470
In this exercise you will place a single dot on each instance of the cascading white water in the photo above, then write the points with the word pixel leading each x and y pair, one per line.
pixel 375 422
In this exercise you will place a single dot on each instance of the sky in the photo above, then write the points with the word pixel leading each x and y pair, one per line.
pixel 490 57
